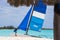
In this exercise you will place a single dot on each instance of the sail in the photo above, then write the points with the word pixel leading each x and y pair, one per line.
pixel 24 23
pixel 38 16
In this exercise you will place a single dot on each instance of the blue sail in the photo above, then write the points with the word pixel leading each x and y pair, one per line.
pixel 38 16
pixel 24 23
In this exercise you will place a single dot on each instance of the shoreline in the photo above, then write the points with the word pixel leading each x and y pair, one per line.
pixel 22 37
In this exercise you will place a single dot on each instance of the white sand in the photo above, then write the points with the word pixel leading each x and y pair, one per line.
pixel 22 37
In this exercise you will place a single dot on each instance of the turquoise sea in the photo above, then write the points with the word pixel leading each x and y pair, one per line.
pixel 42 33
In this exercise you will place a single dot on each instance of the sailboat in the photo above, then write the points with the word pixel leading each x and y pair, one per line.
pixel 34 19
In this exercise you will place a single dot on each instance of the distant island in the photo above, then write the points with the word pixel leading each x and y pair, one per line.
pixel 47 29
pixel 12 27
pixel 7 27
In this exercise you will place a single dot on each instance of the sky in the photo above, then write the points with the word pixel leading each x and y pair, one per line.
pixel 10 15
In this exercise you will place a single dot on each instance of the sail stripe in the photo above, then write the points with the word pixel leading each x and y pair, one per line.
pixel 39 15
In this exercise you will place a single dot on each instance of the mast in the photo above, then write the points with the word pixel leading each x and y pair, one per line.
pixel 34 1
pixel 29 21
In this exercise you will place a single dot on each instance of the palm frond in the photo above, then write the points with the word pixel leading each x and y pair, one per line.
pixel 17 3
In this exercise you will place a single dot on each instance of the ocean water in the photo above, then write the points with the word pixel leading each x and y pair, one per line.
pixel 42 33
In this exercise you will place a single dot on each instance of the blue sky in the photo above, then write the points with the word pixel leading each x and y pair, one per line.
pixel 13 16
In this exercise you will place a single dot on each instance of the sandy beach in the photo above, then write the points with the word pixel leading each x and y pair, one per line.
pixel 22 37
